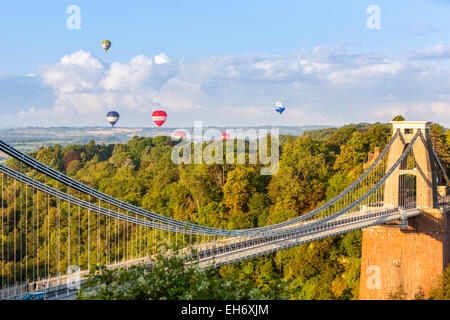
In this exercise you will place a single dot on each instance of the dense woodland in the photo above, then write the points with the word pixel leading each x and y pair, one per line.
pixel 313 168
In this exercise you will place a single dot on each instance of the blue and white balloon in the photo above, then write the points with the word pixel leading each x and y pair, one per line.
pixel 112 117
pixel 280 107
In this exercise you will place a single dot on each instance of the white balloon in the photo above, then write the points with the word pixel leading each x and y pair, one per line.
pixel 280 104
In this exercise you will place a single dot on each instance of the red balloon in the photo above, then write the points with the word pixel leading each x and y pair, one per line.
pixel 179 134
pixel 159 117
pixel 225 136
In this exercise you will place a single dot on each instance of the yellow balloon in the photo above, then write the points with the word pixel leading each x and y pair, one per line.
pixel 106 44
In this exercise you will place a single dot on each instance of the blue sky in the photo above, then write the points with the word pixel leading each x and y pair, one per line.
pixel 223 62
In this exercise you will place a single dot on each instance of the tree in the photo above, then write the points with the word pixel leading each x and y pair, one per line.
pixel 398 294
pixel 441 289
pixel 213 214
pixel 342 135
pixel 258 206
pixel 239 188
pixel 240 220
pixel 440 144
pixel 420 294
pixel 125 186
pixel 69 157
pixel 203 190
pixel 51 156
pixel 72 167
pixel 299 184
pixel 168 278
pixel 398 118
pixel 347 161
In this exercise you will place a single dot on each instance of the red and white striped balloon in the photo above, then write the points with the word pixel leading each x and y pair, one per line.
pixel 159 117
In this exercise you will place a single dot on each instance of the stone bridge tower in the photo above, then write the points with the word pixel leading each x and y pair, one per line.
pixel 407 260
pixel 422 169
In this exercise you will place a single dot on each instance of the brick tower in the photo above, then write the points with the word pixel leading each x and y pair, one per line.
pixel 407 260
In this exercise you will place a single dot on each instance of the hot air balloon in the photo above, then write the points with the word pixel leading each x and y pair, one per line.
pixel 225 136
pixel 179 134
pixel 112 117
pixel 280 107
pixel 159 117
pixel 106 44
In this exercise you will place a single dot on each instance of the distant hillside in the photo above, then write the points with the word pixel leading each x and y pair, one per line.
pixel 324 134
pixel 31 139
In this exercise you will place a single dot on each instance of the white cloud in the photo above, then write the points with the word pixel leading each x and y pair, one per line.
pixel 82 59
pixel 441 109
pixel 75 72
pixel 435 52
pixel 161 59
pixel 128 76
pixel 389 110
pixel 328 85
pixel 422 28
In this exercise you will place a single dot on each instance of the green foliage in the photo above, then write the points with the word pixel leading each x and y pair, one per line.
pixel 420 294
pixel 441 144
pixel 398 118
pixel 321 134
pixel 398 294
pixel 342 135
pixel 299 184
pixel 169 278
pixel 239 188
pixel 52 157
pixel 441 289
pixel 258 206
